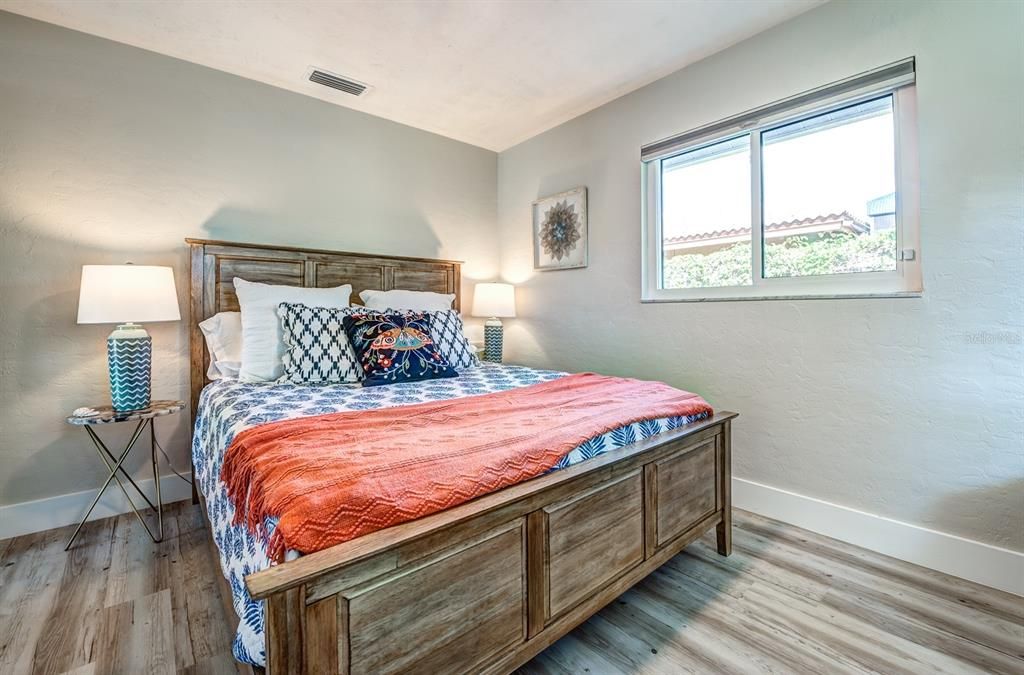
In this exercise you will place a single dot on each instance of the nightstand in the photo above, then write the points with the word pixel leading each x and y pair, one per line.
pixel 143 419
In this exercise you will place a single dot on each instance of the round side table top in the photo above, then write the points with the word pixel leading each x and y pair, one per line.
pixel 107 415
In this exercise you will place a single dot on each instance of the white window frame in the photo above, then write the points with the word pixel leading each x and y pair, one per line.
pixel 905 281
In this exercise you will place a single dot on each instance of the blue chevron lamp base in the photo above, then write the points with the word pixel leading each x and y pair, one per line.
pixel 129 357
pixel 493 340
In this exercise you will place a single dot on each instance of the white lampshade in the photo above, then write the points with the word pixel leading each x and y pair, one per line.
pixel 127 293
pixel 498 300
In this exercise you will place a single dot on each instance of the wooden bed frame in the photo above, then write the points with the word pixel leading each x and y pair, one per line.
pixel 485 586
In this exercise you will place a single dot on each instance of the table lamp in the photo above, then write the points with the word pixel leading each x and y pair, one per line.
pixel 126 294
pixel 494 301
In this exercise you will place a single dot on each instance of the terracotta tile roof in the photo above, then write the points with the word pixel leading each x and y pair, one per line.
pixel 772 227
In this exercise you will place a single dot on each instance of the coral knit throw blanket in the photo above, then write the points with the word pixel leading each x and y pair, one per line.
pixel 335 477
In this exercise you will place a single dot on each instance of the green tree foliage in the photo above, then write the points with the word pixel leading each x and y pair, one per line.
pixel 833 253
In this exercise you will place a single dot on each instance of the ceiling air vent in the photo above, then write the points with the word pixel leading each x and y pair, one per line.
pixel 337 82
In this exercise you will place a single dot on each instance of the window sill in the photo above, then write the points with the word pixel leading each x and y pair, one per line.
pixel 837 296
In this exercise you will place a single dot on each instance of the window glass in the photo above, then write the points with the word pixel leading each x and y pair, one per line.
pixel 829 193
pixel 705 206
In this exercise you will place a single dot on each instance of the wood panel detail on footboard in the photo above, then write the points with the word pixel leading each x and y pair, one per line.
pixel 449 613
pixel 683 493
pixel 485 586
pixel 590 539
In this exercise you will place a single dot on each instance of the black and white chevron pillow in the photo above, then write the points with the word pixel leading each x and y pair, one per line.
pixel 317 350
pixel 446 327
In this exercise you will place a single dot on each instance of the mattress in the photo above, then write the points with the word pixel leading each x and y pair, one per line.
pixel 227 407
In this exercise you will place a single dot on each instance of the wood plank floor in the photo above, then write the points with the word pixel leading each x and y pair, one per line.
pixel 786 601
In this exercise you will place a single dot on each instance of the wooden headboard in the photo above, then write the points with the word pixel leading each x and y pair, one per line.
pixel 215 264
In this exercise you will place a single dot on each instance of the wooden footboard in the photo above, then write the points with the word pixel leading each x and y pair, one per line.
pixel 484 587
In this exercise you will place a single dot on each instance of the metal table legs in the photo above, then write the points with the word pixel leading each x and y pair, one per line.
pixel 113 465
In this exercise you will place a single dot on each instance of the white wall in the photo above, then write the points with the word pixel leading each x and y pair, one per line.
pixel 906 408
pixel 108 153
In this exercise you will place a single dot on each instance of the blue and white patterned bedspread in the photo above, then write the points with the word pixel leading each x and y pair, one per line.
pixel 227 407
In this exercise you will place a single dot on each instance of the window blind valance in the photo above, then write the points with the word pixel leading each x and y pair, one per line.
pixel 872 82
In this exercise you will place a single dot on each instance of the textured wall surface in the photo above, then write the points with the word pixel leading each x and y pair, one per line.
pixel 110 153
pixel 906 408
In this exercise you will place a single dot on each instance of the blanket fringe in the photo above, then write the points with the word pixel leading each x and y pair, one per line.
pixel 276 547
pixel 245 490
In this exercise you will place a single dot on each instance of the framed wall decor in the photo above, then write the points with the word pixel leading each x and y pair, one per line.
pixel 560 231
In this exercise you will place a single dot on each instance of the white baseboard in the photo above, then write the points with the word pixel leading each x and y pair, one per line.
pixel 972 560
pixel 46 514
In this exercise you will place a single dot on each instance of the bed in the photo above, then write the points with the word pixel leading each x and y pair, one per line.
pixel 481 587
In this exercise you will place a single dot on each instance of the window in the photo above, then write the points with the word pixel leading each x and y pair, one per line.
pixel 814 196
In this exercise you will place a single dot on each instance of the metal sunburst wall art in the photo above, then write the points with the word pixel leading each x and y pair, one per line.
pixel 560 231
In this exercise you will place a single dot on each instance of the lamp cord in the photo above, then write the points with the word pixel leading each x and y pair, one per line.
pixel 164 453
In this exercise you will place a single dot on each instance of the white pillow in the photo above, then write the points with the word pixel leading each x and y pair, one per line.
pixel 422 301
pixel 229 369
pixel 262 343
pixel 223 333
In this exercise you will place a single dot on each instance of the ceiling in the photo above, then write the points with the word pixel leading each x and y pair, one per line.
pixel 491 72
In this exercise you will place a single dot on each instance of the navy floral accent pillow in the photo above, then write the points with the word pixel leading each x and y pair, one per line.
pixel 447 329
pixel 395 347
